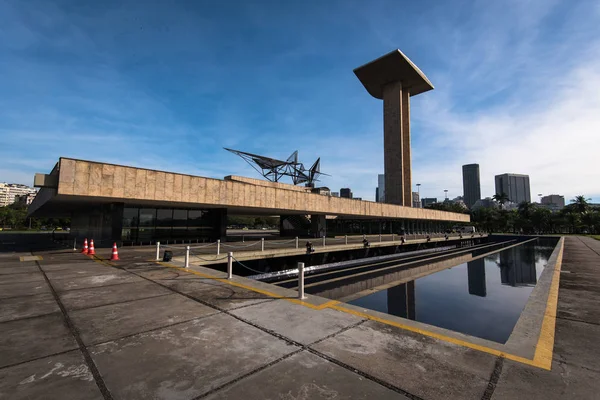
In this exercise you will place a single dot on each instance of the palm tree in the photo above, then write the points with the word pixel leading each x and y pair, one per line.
pixel 501 198
pixel 580 204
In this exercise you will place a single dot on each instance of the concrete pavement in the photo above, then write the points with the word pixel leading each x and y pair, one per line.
pixel 75 328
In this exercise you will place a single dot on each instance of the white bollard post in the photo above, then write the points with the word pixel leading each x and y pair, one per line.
pixel 187 256
pixel 157 251
pixel 296 241
pixel 301 281
pixel 229 265
pixel 345 239
pixel 323 240
pixel 262 244
pixel 218 246
pixel 75 244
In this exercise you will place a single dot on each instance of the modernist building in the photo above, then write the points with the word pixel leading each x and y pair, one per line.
pixel 416 202
pixel 10 193
pixel 515 186
pixel 127 204
pixel 471 184
pixel 425 201
pixel 554 201
pixel 346 193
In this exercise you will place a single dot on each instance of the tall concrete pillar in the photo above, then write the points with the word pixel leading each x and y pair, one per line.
pixel 318 225
pixel 394 78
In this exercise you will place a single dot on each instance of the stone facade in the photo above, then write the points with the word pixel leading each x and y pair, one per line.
pixel 115 183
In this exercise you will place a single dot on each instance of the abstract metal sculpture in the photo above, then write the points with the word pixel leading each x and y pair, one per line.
pixel 273 169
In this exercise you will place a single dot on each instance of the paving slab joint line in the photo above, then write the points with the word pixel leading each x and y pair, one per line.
pixel 586 245
pixel 364 374
pixel 86 355
pixel 494 378
pixel 254 371
pixel 29 317
pixel 153 329
pixel 119 302
pixel 38 358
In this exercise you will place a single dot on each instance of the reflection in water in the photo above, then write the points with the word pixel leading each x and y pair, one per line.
pixel 401 300
pixel 517 267
pixel 476 273
pixel 487 306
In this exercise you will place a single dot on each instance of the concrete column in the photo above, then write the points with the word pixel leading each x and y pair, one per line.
pixel 318 225
pixel 396 144
pixel 406 158
pixel 220 224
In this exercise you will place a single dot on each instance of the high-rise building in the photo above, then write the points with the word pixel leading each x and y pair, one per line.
pixel 471 185
pixel 554 201
pixel 10 191
pixel 346 193
pixel 425 201
pixel 381 188
pixel 335 194
pixel 515 186
pixel 416 201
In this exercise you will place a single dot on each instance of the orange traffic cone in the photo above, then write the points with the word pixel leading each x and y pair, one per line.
pixel 115 253
pixel 85 247
pixel 91 250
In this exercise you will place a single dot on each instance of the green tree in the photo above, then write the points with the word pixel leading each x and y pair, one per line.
pixel 580 204
pixel 501 198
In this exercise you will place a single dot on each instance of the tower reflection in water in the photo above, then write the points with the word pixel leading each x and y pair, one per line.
pixel 401 300
pixel 517 268
pixel 476 274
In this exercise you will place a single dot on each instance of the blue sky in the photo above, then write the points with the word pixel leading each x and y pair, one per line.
pixel 166 85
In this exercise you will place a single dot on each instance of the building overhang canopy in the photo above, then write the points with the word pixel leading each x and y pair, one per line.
pixel 392 67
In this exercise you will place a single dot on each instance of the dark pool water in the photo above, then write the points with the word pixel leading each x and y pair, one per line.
pixel 482 298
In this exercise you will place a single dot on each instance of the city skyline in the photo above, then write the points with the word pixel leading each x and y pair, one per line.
pixel 141 93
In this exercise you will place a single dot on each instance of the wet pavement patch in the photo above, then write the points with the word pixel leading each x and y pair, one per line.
pixel 114 321
pixel 60 377
pixel 27 339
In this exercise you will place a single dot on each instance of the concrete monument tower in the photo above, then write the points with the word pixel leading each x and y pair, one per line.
pixel 393 78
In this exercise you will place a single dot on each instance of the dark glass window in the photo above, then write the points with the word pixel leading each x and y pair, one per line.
pixel 164 217
pixel 147 217
pixel 130 218
pixel 180 218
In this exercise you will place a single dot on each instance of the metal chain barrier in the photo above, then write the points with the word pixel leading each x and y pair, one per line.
pixel 204 259
pixel 245 266
pixel 203 246
pixel 284 242
pixel 239 247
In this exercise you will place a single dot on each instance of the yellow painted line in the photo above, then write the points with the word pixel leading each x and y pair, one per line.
pixel 544 348
pixel 261 291
pixel 545 345
pixel 30 258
